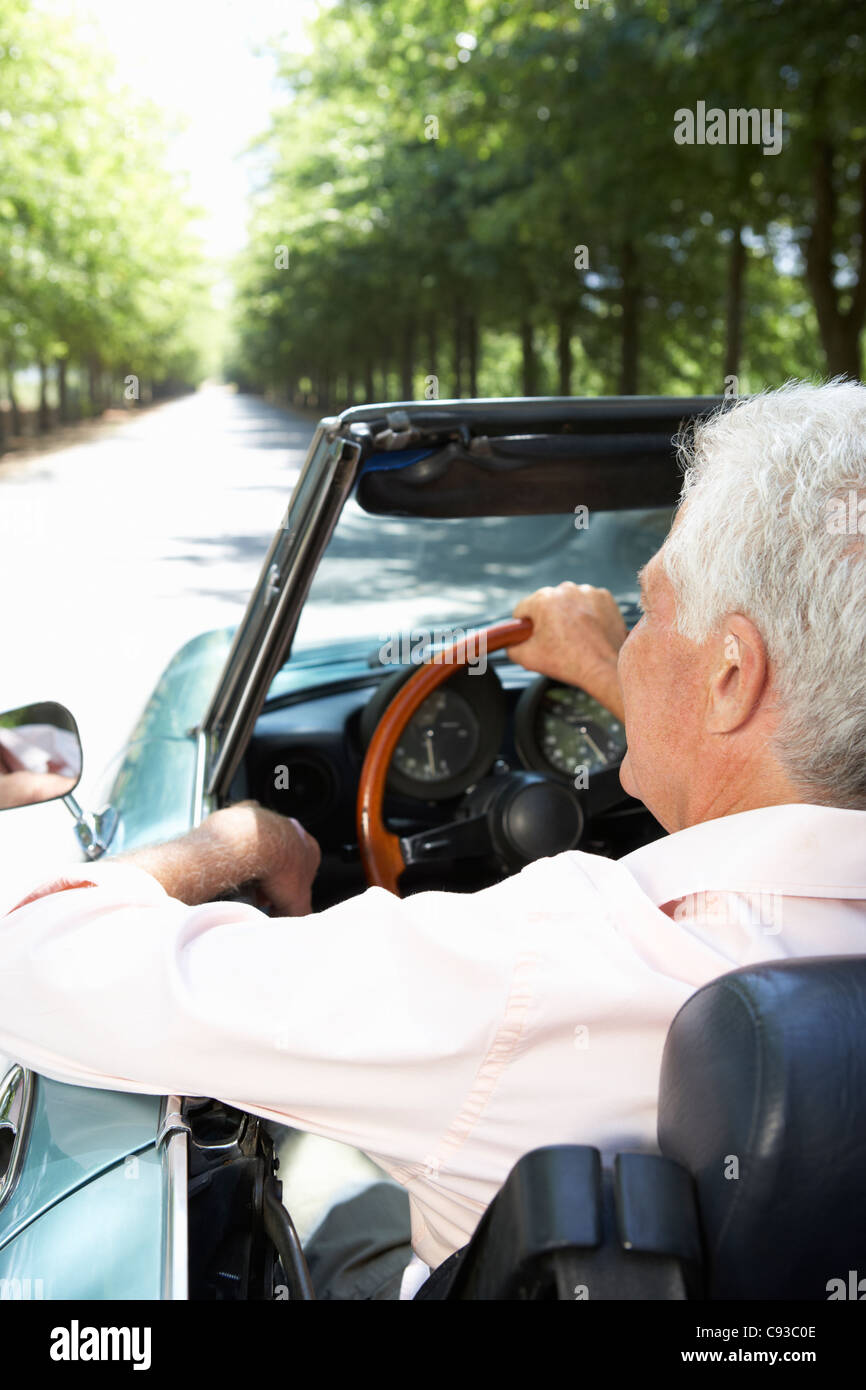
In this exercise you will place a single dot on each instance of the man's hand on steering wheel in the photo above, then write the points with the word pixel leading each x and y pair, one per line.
pixel 577 631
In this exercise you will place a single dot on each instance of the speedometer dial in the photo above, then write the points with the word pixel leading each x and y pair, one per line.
pixel 575 732
pixel 440 741
pixel 451 740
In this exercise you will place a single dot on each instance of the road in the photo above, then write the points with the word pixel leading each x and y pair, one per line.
pixel 114 550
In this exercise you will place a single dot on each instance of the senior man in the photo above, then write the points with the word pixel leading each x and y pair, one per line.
pixel 447 1034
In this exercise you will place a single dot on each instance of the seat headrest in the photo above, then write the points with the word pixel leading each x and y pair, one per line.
pixel 763 1099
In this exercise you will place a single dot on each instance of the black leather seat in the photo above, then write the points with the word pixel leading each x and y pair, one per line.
pixel 763 1100
pixel 760 1189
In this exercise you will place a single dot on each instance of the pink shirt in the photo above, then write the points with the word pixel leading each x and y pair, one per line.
pixel 446 1034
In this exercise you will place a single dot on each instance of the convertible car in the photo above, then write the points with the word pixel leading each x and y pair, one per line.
pixel 368 692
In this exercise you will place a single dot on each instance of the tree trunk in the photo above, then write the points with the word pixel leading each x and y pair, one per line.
pixel 840 331
pixel 350 389
pixel 44 413
pixel 63 391
pixel 432 367
pixel 93 386
pixel 13 401
pixel 564 354
pixel 734 308
pixel 530 361
pixel 631 293
pixel 369 387
pixel 458 354
pixel 472 349
pixel 407 372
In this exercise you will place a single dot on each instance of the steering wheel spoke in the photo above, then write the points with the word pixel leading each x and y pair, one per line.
pixel 459 839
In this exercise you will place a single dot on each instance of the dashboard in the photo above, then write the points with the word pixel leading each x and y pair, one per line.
pixel 454 738
pixel 305 758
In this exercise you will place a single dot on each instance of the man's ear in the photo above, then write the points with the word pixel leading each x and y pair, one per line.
pixel 739 676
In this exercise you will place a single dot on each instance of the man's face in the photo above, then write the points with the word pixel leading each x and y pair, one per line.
pixel 663 679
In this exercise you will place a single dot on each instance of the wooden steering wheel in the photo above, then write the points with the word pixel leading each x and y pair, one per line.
pixel 381 854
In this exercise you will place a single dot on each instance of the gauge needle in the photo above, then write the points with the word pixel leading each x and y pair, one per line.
pixel 430 758
pixel 593 745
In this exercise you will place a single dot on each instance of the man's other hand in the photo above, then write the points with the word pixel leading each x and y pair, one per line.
pixel 294 861
pixel 240 844
pixel 286 856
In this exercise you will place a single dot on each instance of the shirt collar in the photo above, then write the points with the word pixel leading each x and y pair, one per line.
pixel 796 850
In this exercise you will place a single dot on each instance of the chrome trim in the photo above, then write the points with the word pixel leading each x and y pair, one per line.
pixel 172 1139
pixel 198 797
pixel 171 1119
pixel 94 831
pixel 17 1090
pixel 263 640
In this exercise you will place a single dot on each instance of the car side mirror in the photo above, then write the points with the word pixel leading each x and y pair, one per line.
pixel 40 755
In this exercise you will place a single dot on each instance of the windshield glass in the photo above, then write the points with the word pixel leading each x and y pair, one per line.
pixel 382 575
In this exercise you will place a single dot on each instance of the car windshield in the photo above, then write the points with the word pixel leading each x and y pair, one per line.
pixel 382 575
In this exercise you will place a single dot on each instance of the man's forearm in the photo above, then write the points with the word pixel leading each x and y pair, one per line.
pixel 237 845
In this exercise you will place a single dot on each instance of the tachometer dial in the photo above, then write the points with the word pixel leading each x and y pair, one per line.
pixel 561 729
pixel 575 732
pixel 440 741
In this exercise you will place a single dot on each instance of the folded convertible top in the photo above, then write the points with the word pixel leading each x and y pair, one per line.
pixel 513 458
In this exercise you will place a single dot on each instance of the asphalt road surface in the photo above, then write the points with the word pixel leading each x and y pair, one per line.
pixel 117 548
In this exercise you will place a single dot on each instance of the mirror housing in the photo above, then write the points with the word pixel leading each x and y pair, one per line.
pixel 40 755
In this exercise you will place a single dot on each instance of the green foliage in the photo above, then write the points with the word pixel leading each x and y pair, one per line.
pixel 552 127
pixel 98 264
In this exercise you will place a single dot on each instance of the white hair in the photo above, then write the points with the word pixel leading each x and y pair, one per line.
pixel 772 530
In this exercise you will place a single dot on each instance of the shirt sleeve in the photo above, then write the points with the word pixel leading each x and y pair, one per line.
pixel 366 1023
pixel 130 883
